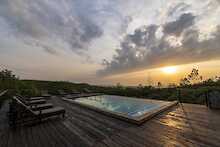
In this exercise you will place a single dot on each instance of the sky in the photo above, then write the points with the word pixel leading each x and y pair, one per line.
pixel 106 42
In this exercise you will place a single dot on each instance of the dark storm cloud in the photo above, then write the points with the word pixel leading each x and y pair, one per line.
pixel 51 51
pixel 40 20
pixel 47 48
pixel 177 27
pixel 143 49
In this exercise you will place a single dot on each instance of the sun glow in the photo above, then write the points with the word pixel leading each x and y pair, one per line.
pixel 169 70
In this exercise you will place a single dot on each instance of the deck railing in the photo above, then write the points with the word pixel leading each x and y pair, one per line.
pixel 3 92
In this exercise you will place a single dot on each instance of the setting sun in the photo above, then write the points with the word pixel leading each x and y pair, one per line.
pixel 169 70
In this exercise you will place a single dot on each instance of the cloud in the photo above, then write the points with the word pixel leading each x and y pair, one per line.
pixel 47 48
pixel 177 27
pixel 52 20
pixel 177 9
pixel 180 43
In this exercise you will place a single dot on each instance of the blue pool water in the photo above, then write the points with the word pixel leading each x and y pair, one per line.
pixel 131 107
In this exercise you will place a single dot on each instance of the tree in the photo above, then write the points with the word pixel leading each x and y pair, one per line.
pixel 118 85
pixel 192 78
pixel 7 79
pixel 7 75
pixel 159 84
pixel 140 86
pixel 184 82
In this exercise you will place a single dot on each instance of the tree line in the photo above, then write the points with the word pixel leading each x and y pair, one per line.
pixel 192 87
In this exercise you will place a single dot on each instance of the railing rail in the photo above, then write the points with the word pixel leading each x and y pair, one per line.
pixel 3 92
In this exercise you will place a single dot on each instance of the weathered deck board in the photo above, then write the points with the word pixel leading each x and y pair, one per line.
pixel 183 125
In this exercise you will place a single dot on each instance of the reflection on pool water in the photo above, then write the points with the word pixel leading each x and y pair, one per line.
pixel 131 107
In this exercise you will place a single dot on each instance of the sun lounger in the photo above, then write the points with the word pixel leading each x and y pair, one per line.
pixel 37 115
pixel 30 98
pixel 50 112
pixel 36 104
pixel 28 101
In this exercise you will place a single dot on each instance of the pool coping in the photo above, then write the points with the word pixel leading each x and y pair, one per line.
pixel 137 120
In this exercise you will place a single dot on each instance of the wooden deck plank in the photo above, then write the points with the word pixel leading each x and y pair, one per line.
pixel 28 137
pixel 5 139
pixel 53 137
pixel 72 138
pixel 109 143
pixel 41 136
pixel 87 141
pixel 43 129
pixel 99 126
pixel 61 140
pixel 23 138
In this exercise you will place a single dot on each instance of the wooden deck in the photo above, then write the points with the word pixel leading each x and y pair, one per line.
pixel 183 125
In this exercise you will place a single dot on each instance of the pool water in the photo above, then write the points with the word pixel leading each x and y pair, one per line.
pixel 130 107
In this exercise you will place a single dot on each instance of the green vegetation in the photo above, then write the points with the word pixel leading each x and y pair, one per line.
pixel 8 80
pixel 190 90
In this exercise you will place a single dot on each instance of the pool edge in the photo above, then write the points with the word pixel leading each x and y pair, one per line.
pixel 137 121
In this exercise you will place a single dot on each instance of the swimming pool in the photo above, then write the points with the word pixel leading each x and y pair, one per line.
pixel 130 109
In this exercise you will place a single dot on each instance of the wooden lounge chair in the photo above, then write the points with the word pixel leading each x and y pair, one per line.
pixel 31 115
pixel 50 112
pixel 35 105
pixel 28 101
pixel 31 98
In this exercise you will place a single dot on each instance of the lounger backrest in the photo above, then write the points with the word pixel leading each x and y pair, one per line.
pixel 21 98
pixel 22 104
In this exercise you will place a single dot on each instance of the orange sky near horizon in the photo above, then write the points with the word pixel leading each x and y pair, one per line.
pixel 208 69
